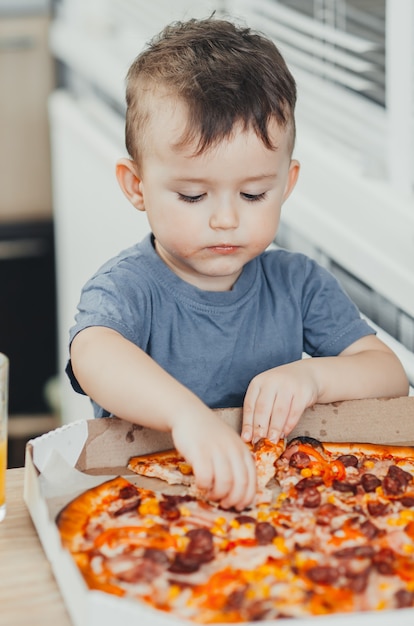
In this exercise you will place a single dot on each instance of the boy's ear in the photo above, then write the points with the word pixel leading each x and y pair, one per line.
pixel 292 178
pixel 130 182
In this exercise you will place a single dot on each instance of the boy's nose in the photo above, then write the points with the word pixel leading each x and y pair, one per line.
pixel 225 216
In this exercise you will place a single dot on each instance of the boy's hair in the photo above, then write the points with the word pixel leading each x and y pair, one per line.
pixel 224 74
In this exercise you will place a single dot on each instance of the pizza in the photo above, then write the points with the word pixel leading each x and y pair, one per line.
pixel 170 466
pixel 337 536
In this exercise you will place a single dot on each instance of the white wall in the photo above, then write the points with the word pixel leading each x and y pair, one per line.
pixel 93 219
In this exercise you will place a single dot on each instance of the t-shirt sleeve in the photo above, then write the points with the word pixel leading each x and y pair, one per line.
pixel 331 321
pixel 113 300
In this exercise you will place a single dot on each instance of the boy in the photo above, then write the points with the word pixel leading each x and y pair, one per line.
pixel 200 315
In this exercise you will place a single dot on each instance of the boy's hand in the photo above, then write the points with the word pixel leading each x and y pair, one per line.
pixel 276 399
pixel 222 463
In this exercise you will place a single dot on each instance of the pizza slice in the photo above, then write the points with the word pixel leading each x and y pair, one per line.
pixel 170 466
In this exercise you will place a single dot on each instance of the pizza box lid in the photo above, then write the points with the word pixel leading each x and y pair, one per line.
pixel 64 462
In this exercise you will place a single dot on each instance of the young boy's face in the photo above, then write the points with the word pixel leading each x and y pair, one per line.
pixel 211 213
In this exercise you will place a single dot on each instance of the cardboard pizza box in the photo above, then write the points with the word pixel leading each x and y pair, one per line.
pixel 66 461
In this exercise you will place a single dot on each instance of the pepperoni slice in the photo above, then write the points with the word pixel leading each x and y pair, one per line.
pixel 128 491
pixel 326 513
pixel 300 460
pixel 369 529
pixel 344 486
pixel 407 501
pixel 245 519
pixel 399 474
pixel 169 510
pixel 128 508
pixel 377 508
pixel 370 482
pixel 264 533
pixel 359 583
pixel 311 498
pixel 349 460
pixel 355 552
pixel 201 545
pixel 404 599
pixel 184 564
pixel 384 561
pixel 323 574
pixel 309 481
pixel 392 486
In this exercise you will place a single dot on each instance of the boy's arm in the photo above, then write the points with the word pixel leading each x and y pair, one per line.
pixel 276 399
pixel 128 383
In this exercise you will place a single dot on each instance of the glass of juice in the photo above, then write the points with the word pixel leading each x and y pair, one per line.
pixel 4 389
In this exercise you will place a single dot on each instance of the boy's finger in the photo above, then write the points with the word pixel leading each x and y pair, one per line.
pixel 244 485
pixel 204 474
pixel 250 418
pixel 262 413
pixel 247 427
pixel 280 415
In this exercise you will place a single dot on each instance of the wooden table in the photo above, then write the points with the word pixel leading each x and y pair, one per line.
pixel 28 591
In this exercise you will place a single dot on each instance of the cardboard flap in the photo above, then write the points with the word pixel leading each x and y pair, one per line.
pixel 381 421
pixel 112 441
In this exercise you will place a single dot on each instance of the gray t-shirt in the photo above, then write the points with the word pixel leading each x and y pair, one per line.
pixel 282 305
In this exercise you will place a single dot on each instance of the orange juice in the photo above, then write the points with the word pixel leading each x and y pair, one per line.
pixel 4 378
pixel 3 465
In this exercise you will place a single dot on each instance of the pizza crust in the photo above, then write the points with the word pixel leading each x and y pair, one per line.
pixel 166 465
pixel 367 449
pixel 73 519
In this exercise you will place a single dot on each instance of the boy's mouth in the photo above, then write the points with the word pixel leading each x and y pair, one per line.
pixel 224 249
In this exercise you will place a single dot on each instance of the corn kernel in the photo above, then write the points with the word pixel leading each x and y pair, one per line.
pixel 306 472
pixel 148 522
pixel 300 560
pixel 181 542
pixel 280 544
pixel 251 593
pixel 173 592
pixel 282 496
pixel 405 516
pixel 184 511
pixel 234 523
pixel 149 507
pixel 369 464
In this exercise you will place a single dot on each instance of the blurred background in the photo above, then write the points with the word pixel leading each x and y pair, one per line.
pixel 62 71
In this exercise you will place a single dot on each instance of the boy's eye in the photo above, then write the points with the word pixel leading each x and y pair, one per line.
pixel 253 197
pixel 185 198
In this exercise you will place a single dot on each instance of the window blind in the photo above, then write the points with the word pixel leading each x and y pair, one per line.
pixel 336 51
pixel 353 61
